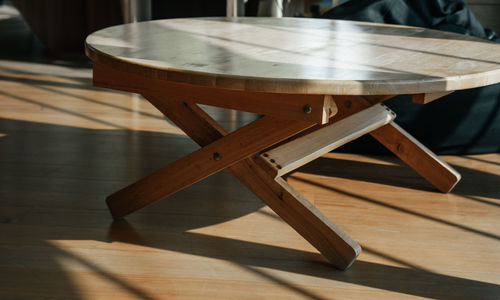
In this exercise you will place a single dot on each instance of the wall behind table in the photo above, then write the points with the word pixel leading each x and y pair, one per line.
pixel 188 8
pixel 487 12
pixel 62 25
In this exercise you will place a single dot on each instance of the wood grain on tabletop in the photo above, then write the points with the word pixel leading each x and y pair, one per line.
pixel 298 55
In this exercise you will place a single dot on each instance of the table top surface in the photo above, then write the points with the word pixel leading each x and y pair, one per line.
pixel 298 55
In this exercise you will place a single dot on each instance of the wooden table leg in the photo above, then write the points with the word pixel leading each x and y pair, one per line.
pixel 417 156
pixel 206 161
pixel 402 144
pixel 330 240
pixel 253 172
pixel 233 151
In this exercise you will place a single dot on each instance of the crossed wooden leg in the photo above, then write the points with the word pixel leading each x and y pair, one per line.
pixel 252 171
pixel 262 174
pixel 417 156
pixel 401 143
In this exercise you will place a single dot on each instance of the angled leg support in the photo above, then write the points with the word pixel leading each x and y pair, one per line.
pixel 402 144
pixel 256 174
pixel 216 156
pixel 299 151
pixel 417 156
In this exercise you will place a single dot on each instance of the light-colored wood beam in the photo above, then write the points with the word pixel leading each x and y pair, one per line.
pixel 290 156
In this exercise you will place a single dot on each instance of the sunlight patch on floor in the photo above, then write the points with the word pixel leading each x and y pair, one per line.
pixel 59 101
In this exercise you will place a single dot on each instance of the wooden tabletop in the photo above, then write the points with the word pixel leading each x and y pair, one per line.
pixel 298 55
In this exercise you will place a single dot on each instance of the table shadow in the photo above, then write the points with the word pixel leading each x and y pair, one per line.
pixel 408 279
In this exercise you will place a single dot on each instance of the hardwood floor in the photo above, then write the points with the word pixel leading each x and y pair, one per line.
pixel 65 146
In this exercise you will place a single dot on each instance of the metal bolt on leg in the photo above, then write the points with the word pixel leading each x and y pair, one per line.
pixel 217 156
pixel 307 109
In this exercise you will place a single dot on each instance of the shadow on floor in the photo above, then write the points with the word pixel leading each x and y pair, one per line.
pixel 399 174
pixel 407 280
pixel 62 146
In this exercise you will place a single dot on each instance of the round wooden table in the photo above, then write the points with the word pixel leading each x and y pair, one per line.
pixel 318 83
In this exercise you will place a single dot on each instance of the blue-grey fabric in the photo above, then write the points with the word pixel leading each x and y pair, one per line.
pixel 464 122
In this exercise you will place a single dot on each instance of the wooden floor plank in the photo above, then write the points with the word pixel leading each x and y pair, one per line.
pixel 216 240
